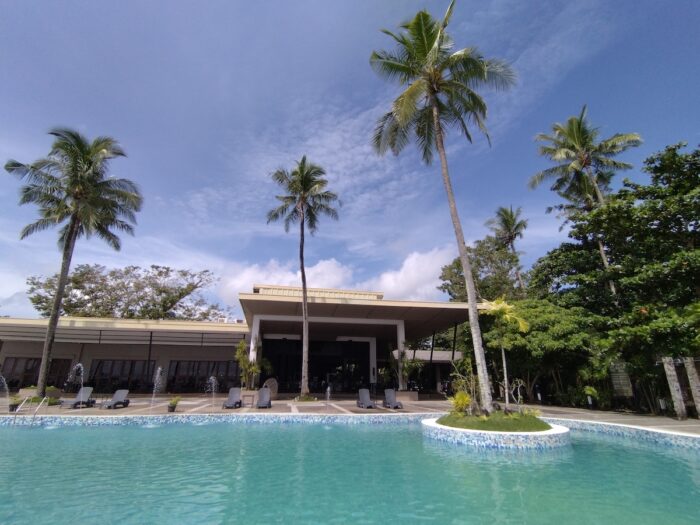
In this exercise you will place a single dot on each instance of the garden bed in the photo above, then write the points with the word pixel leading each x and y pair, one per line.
pixel 496 422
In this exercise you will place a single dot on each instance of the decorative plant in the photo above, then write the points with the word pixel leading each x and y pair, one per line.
pixel 15 400
pixel 174 401
pixel 461 402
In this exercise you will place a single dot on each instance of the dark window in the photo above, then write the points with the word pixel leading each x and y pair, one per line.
pixel 192 376
pixel 109 375
pixel 21 372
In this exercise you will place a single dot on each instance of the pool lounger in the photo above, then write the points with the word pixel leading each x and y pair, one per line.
pixel 264 398
pixel 81 399
pixel 234 399
pixel 118 398
pixel 364 400
pixel 390 399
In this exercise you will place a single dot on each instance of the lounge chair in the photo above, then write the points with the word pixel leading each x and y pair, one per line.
pixel 390 399
pixel 364 400
pixel 118 398
pixel 264 398
pixel 83 398
pixel 234 398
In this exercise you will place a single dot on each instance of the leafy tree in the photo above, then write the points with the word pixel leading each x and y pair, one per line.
pixel 504 314
pixel 507 226
pixel 158 292
pixel 559 341
pixel 440 91
pixel 580 161
pixel 71 186
pixel 305 201
pixel 494 268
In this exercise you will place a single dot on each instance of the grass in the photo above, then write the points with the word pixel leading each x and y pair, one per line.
pixel 305 398
pixel 498 422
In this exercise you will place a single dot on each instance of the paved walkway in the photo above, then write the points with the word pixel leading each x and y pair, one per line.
pixel 141 405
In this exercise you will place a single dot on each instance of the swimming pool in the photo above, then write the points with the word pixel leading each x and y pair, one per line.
pixel 261 473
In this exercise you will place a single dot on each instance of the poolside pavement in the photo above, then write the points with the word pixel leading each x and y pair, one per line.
pixel 141 405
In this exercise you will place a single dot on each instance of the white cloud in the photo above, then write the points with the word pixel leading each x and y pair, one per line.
pixel 417 278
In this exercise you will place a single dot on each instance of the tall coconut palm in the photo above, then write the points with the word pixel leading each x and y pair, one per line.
pixel 71 186
pixel 305 200
pixel 440 91
pixel 507 226
pixel 580 160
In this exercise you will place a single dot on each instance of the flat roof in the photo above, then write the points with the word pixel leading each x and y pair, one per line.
pixel 126 331
pixel 421 318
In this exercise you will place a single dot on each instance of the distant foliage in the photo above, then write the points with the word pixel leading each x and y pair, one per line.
pixel 157 292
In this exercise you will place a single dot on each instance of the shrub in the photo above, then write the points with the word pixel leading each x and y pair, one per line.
pixel 461 402
pixel 174 401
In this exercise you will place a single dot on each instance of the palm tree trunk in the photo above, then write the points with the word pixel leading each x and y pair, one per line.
pixel 68 247
pixel 505 375
pixel 479 356
pixel 601 246
pixel 518 275
pixel 304 313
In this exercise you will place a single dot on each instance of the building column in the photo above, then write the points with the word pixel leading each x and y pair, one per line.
pixel 254 337
pixel 694 381
pixel 675 387
pixel 400 340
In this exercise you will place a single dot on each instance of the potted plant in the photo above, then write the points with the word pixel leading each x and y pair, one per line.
pixel 15 401
pixel 172 405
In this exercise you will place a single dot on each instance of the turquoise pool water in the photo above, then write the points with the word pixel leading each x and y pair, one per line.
pixel 268 473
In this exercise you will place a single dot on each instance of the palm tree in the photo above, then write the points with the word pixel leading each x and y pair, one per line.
pixel 71 185
pixel 504 315
pixel 507 226
pixel 441 91
pixel 304 201
pixel 583 164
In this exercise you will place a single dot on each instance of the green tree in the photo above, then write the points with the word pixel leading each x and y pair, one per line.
pixel 504 314
pixel 157 292
pixel 583 164
pixel 493 266
pixel 71 185
pixel 440 91
pixel 507 226
pixel 305 200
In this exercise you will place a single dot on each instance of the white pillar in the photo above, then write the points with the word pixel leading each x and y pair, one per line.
pixel 400 340
pixel 254 336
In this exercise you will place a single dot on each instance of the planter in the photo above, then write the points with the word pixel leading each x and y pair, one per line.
pixel 171 408
pixel 557 436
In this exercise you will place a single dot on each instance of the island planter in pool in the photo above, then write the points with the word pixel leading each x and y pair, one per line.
pixel 557 436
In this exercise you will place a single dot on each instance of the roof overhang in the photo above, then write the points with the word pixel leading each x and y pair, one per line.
pixel 421 318
pixel 125 331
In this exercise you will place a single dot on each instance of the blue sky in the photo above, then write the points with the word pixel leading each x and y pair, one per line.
pixel 208 98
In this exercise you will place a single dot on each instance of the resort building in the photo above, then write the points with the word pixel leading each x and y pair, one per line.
pixel 354 338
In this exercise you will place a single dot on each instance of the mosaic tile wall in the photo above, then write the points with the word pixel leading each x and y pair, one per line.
pixel 558 436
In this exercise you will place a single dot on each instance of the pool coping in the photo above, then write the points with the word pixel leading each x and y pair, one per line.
pixel 645 434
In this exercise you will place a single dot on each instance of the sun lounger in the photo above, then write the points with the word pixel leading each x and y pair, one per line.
pixel 234 398
pixel 82 398
pixel 264 398
pixel 118 398
pixel 390 399
pixel 364 400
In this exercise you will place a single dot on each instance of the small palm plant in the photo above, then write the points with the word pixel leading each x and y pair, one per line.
pixel 504 315
pixel 71 186
pixel 305 200
pixel 440 91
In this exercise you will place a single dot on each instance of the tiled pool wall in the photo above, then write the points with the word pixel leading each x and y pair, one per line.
pixel 659 437
pixel 616 430
pixel 202 419
pixel 557 436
